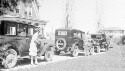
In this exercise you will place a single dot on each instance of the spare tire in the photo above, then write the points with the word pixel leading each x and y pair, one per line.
pixel 61 44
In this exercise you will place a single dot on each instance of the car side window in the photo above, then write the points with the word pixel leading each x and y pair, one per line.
pixel 22 30
pixel 83 35
pixel 98 36
pixel 11 29
pixel 77 34
pixel 30 30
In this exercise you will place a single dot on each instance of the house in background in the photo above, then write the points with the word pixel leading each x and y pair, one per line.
pixel 113 31
pixel 27 11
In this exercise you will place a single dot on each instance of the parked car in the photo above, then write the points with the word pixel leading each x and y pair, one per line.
pixel 15 40
pixel 69 40
pixel 99 41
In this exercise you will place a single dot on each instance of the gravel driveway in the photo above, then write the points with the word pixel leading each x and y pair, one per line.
pixel 113 60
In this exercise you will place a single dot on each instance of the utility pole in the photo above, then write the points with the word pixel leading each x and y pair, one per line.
pixel 68 18
pixel 99 14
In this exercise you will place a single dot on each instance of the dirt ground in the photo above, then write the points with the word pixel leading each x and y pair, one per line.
pixel 112 60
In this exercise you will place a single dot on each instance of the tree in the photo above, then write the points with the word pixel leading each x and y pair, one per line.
pixel 7 6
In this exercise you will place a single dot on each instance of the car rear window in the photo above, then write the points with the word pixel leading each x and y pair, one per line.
pixel 96 36
pixel 93 36
pixel 62 32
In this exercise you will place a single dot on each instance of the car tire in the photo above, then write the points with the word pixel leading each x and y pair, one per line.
pixel 75 51
pixel 57 44
pixel 57 52
pixel 11 58
pixel 48 56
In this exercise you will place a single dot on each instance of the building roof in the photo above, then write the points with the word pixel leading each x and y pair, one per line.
pixel 112 29
pixel 35 22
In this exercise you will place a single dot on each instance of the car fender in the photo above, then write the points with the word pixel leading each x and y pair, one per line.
pixel 44 48
pixel 50 47
pixel 5 46
pixel 72 48
pixel 12 44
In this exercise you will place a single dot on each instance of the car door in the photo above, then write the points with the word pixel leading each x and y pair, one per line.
pixel 77 37
pixel 22 38
pixel 80 40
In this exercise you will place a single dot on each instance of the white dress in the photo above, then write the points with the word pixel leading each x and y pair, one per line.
pixel 33 48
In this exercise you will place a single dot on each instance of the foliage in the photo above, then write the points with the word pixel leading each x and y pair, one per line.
pixel 7 6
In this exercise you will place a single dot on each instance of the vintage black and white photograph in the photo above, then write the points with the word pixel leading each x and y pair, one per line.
pixel 62 35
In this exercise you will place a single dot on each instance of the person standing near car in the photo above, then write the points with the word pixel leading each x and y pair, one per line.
pixel 33 47
pixel 86 48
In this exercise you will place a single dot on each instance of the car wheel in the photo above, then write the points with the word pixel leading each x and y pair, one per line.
pixel 11 58
pixel 57 52
pixel 48 56
pixel 75 51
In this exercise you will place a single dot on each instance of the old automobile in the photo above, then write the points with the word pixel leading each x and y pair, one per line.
pixel 15 37
pixel 69 40
pixel 99 41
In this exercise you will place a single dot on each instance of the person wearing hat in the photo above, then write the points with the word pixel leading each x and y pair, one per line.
pixel 33 47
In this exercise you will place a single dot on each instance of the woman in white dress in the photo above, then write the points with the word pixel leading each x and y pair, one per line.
pixel 33 48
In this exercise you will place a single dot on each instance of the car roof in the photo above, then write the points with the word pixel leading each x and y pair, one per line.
pixel 23 20
pixel 68 29
pixel 97 34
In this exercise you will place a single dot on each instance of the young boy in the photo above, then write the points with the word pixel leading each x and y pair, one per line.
pixel 33 48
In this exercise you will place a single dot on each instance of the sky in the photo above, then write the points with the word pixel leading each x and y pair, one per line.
pixel 84 14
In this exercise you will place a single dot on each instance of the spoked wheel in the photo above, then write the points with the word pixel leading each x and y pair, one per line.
pixel 48 56
pixel 75 51
pixel 11 58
